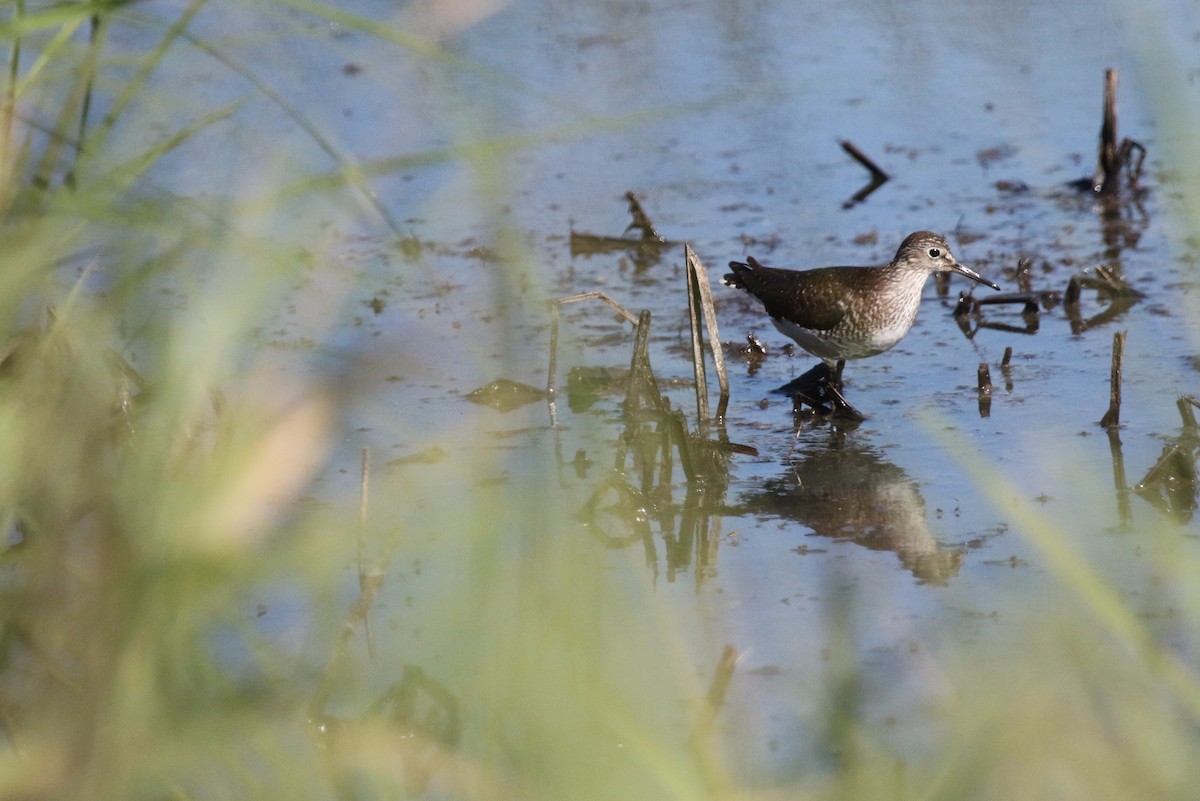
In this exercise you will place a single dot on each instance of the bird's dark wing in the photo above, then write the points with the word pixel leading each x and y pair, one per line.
pixel 789 295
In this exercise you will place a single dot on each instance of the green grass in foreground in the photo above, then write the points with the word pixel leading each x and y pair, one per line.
pixel 151 471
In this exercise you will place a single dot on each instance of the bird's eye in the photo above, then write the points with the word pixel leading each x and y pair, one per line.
pixel 935 253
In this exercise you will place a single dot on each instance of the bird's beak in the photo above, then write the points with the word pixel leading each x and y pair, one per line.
pixel 974 276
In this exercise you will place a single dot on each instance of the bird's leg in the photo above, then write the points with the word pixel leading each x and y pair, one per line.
pixel 841 407
pixel 836 380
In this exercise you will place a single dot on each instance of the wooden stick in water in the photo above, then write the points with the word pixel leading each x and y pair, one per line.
pixel 1108 165
pixel 877 172
pixel 1113 416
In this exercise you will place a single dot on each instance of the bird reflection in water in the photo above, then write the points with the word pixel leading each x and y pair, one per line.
pixel 847 491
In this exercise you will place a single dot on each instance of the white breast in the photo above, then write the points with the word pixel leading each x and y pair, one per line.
pixel 850 339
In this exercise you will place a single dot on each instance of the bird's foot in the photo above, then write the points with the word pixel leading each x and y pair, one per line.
pixel 821 390
pixel 842 409
pixel 811 385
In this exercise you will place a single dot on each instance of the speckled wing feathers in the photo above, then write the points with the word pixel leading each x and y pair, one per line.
pixel 805 306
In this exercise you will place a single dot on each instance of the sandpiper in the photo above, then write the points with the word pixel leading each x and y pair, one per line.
pixel 840 313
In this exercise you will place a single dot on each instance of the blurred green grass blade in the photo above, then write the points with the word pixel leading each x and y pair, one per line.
pixel 1076 573
pixel 96 40
pixel 61 135
pixel 127 174
pixel 146 67
pixel 493 148
pixel 348 167
pixel 50 54
pixel 8 114
pixel 25 22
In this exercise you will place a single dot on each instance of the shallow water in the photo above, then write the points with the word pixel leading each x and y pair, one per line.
pixel 725 119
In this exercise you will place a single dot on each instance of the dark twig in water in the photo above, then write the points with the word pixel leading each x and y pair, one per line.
pixel 640 370
pixel 878 176
pixel 1108 164
pixel 1006 369
pixel 1030 300
pixel 984 381
pixel 1024 270
pixel 646 250
pixel 1121 295
pixel 1111 283
pixel 1113 416
pixel 877 173
pixel 693 292
pixel 969 306
pixel 1120 484
pixel 641 220
pixel 965 305
pixel 1129 155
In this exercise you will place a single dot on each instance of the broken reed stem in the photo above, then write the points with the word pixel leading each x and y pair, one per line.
pixel 1108 165
pixel 694 303
pixel 552 369
pixel 678 426
pixel 641 220
pixel 1024 268
pixel 617 307
pixel 876 171
pixel 700 294
pixel 984 380
pixel 1113 416
pixel 639 363
pixel 1120 484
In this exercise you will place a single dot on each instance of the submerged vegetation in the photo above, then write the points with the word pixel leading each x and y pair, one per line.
pixel 216 582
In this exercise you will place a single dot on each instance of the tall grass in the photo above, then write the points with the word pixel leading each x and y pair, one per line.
pixel 147 461
pixel 157 474
pixel 152 473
